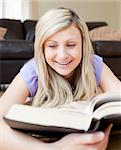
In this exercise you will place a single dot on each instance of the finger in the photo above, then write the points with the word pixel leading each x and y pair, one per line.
pixel 84 138
pixel 108 129
pixel 107 133
pixel 92 138
pixel 104 143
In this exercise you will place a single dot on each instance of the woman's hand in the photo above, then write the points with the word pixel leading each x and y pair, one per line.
pixel 84 141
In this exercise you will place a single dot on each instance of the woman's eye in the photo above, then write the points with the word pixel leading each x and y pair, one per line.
pixel 71 45
pixel 52 46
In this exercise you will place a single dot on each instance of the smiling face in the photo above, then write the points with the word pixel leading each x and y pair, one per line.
pixel 63 51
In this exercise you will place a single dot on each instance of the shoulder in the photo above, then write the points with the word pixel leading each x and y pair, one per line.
pixel 29 68
pixel 96 60
pixel 29 64
pixel 29 75
pixel 97 63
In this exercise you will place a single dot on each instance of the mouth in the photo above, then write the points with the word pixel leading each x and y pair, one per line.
pixel 63 64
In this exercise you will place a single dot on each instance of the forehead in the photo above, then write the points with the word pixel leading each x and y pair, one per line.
pixel 71 32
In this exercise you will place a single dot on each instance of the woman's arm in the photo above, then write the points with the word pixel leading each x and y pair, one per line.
pixel 109 82
pixel 15 140
pixel 17 92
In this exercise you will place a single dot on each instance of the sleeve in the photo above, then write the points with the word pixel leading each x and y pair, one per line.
pixel 97 63
pixel 29 75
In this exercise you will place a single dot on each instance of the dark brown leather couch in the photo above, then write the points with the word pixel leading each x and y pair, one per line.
pixel 110 51
pixel 17 48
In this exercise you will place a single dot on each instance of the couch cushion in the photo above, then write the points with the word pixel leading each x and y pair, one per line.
pixel 107 48
pixel 15 29
pixel 105 33
pixel 16 49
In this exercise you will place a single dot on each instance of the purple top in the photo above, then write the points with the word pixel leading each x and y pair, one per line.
pixel 29 75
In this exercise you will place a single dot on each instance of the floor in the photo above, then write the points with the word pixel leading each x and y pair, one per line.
pixel 115 142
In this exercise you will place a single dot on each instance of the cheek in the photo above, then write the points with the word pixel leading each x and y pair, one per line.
pixel 48 55
pixel 77 54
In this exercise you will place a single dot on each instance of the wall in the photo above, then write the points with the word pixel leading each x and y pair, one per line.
pixel 15 9
pixel 120 15
pixel 90 10
pixel 11 9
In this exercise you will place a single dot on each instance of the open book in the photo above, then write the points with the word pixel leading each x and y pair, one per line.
pixel 99 112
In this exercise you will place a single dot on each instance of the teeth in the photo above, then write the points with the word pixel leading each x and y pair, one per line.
pixel 63 63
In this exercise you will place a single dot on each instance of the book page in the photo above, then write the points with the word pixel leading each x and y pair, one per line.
pixel 102 99
pixel 64 117
pixel 111 108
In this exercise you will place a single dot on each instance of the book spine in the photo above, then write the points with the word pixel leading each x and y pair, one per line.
pixel 94 125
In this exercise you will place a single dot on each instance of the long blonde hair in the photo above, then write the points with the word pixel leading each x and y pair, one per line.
pixel 53 89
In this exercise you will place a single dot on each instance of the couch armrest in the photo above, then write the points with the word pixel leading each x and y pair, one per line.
pixel 107 48
pixel 16 49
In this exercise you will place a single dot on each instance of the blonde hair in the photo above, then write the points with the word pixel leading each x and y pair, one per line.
pixel 53 89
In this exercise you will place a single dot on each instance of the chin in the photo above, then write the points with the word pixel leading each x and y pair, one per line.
pixel 65 75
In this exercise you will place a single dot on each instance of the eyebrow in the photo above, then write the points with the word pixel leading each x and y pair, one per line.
pixel 70 40
pixel 52 41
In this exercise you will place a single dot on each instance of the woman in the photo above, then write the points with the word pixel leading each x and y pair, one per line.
pixel 64 71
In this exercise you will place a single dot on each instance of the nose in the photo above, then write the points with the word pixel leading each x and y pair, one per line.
pixel 62 53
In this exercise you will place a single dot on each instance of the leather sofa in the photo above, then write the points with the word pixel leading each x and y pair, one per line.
pixel 110 51
pixel 17 48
